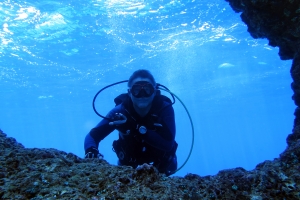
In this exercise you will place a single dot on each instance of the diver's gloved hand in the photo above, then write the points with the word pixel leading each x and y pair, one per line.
pixel 93 152
pixel 118 119
pixel 121 123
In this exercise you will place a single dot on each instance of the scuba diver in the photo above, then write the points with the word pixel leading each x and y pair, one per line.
pixel 146 124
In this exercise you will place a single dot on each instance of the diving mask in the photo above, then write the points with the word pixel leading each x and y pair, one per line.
pixel 142 89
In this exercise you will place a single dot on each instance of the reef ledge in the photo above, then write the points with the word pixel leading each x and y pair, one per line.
pixel 32 173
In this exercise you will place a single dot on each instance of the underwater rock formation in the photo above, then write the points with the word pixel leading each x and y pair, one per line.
pixel 276 20
pixel 31 173
pixel 279 22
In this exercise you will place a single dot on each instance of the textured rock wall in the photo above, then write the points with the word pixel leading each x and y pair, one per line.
pixel 279 22
pixel 52 174
pixel 276 20
pixel 295 72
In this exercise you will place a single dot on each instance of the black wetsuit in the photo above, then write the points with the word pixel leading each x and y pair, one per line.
pixel 157 146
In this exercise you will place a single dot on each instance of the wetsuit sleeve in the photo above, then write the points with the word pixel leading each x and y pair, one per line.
pixel 102 130
pixel 164 138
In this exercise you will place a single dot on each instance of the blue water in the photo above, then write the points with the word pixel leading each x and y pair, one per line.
pixel 54 57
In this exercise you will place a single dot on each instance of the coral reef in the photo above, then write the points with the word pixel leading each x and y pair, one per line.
pixel 31 173
pixel 276 20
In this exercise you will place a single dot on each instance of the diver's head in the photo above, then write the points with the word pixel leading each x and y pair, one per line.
pixel 142 89
pixel 141 73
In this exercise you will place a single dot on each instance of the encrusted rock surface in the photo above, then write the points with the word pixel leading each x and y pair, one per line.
pixel 276 20
pixel 31 173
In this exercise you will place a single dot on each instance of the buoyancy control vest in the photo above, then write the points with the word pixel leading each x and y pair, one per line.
pixel 131 147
